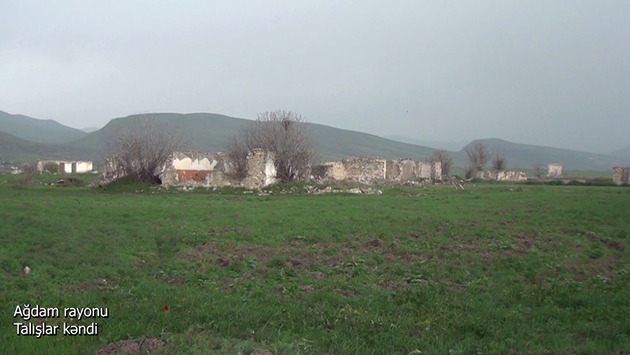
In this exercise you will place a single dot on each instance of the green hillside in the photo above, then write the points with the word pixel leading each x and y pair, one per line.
pixel 622 152
pixel 211 132
pixel 35 130
pixel 13 148
pixel 524 156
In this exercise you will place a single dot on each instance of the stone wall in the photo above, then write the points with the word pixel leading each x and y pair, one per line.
pixel 621 175
pixel 261 170
pixel 197 169
pixel 216 170
pixel 365 170
pixel 554 170
pixel 503 175
pixel 328 172
pixel 202 169
pixel 368 170
pixel 402 170
pixel 511 175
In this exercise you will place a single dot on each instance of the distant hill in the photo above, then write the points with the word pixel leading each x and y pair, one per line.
pixel 623 152
pixel 524 156
pixel 437 144
pixel 40 131
pixel 211 132
pixel 19 149
pixel 90 129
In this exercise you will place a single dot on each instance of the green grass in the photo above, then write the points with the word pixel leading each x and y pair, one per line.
pixel 493 268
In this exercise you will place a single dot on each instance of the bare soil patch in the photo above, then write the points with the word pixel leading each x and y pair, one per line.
pixel 144 345
pixel 88 284
pixel 175 280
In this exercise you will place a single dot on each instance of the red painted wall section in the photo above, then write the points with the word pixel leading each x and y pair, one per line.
pixel 192 175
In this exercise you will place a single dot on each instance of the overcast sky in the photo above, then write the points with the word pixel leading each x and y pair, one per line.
pixel 553 73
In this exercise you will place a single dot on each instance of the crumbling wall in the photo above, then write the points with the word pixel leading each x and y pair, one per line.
pixel 365 170
pixel 329 171
pixel 511 175
pixel 261 169
pixel 503 175
pixel 554 170
pixel 621 175
pixel 401 170
pixel 196 169
pixel 373 170
pixel 430 171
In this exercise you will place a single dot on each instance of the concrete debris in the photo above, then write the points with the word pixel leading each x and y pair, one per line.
pixel 328 189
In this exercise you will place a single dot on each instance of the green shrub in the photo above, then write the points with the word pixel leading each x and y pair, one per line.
pixel 51 167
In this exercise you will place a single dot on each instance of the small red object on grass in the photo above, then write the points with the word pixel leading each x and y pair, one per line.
pixel 534 282
pixel 166 307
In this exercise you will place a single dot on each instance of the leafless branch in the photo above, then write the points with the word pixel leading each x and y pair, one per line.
pixel 442 157
pixel 285 134
pixel 499 163
pixel 138 151
pixel 478 155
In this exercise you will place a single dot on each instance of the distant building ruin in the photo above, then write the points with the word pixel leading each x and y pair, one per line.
pixel 621 175
pixel 196 168
pixel 369 170
pixel 554 170
pixel 216 170
pixel 502 175
pixel 66 166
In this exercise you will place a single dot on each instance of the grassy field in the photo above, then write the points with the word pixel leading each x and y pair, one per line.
pixel 491 269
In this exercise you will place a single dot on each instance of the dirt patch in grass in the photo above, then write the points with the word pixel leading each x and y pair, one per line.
pixel 606 267
pixel 298 255
pixel 175 280
pixel 376 243
pixel 217 231
pixel 307 288
pixel 393 285
pixel 145 345
pixel 609 243
pixel 603 266
pixel 347 293
pixel 138 262
pixel 415 235
pixel 317 275
pixel 88 284
pixel 229 284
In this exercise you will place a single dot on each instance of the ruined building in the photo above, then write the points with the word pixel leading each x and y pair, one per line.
pixel 66 166
pixel 375 170
pixel 621 175
pixel 554 170
pixel 215 169
pixel 502 175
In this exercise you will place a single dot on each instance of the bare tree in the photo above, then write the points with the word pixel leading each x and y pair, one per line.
pixel 283 133
pixel 237 154
pixel 499 163
pixel 139 150
pixel 539 170
pixel 442 157
pixel 469 172
pixel 478 155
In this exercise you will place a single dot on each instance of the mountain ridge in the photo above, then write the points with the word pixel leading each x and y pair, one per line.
pixel 211 132
pixel 37 130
